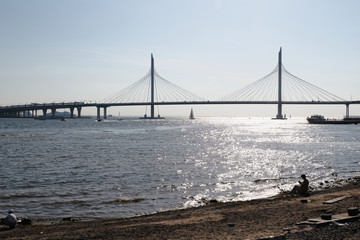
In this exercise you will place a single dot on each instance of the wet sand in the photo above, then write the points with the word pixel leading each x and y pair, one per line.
pixel 276 216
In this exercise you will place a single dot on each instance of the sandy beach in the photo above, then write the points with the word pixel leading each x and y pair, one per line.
pixel 257 219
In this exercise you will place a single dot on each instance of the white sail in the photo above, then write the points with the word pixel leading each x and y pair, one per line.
pixel 191 114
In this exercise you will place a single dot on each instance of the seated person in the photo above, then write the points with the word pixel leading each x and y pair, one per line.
pixel 10 219
pixel 303 187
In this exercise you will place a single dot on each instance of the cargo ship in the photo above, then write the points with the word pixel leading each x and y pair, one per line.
pixel 319 119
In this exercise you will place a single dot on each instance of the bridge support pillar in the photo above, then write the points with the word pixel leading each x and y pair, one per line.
pixel 79 111
pixel 44 111
pixel 105 112
pixel 98 113
pixel 347 111
pixel 53 112
pixel 72 112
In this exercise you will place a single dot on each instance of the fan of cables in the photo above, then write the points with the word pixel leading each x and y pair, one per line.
pixel 140 92
pixel 294 89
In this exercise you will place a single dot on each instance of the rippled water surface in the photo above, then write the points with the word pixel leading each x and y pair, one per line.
pixel 84 168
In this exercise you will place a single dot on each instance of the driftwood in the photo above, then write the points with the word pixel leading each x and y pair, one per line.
pixel 336 199
pixel 338 218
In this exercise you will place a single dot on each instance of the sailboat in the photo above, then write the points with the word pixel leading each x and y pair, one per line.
pixel 191 114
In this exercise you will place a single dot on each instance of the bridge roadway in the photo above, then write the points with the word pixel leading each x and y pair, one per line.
pixel 30 110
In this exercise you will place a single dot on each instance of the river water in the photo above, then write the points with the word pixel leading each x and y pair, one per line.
pixel 83 168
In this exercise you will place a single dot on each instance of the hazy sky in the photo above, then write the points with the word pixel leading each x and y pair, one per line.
pixel 82 50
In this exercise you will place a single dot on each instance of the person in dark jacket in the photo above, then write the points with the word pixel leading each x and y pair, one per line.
pixel 10 219
pixel 302 187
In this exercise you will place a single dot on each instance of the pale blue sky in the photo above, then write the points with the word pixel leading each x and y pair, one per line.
pixel 82 50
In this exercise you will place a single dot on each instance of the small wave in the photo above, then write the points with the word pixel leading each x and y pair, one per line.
pixel 171 186
pixel 193 203
pixel 266 180
pixel 126 200
pixel 15 196
pixel 73 202
pixel 25 135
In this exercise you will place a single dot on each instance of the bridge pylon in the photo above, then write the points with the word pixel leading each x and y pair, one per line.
pixel 279 113
pixel 152 87
pixel 152 105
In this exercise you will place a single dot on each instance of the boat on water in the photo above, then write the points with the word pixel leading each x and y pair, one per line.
pixel 320 119
pixel 191 114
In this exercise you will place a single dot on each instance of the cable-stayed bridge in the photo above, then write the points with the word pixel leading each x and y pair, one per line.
pixel 278 87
